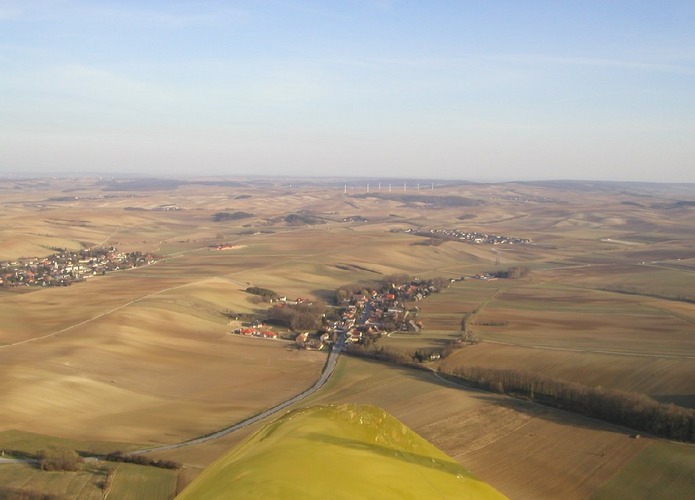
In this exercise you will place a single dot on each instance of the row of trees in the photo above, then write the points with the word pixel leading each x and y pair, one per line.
pixel 636 411
pixel 660 294
pixel 118 456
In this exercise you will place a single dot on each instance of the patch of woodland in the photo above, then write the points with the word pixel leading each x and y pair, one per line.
pixel 303 219
pixel 413 359
pixel 265 293
pixel 59 459
pixel 512 273
pixel 307 316
pixel 227 216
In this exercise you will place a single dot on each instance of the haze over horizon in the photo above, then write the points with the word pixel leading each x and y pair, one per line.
pixel 507 90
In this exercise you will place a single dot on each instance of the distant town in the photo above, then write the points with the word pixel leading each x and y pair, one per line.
pixel 66 267
pixel 467 236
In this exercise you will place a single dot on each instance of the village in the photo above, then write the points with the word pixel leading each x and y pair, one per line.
pixel 468 236
pixel 361 316
pixel 66 267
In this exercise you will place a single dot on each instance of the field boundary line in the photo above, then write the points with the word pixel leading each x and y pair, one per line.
pixel 98 316
pixel 588 351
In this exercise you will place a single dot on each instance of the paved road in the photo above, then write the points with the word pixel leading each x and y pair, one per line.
pixel 325 375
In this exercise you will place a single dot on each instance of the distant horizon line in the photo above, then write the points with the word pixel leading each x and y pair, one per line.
pixel 320 178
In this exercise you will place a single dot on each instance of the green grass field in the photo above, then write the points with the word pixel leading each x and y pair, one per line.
pixel 130 481
pixel 136 482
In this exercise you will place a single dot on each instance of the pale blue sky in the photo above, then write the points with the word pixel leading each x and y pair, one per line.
pixel 477 90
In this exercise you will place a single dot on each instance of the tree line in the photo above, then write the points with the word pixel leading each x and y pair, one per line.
pixel 633 410
pixel 118 456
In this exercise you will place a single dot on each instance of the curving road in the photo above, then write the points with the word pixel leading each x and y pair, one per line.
pixel 328 369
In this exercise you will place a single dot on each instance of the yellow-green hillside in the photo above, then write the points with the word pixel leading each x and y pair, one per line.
pixel 341 451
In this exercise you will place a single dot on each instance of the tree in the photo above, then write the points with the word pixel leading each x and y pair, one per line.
pixel 59 459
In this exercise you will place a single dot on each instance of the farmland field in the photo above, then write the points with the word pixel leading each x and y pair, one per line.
pixel 130 482
pixel 676 477
pixel 146 356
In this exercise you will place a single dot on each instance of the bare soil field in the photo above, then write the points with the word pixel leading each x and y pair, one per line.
pixel 626 342
pixel 523 450
pixel 145 356
pixel 113 377
pixel 637 478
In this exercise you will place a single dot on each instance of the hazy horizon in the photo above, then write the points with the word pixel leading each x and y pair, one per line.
pixel 476 91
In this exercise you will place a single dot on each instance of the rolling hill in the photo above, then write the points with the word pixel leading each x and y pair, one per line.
pixel 337 451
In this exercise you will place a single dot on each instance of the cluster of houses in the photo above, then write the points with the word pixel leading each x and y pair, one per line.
pixel 256 329
pixel 469 236
pixel 304 341
pixel 366 317
pixel 66 267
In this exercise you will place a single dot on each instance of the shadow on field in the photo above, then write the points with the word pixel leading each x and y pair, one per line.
pixel 537 410
pixel 532 409
pixel 328 296
pixel 384 451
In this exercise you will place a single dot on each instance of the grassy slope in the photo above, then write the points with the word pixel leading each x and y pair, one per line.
pixel 347 451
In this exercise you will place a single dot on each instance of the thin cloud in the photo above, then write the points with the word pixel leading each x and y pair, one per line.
pixel 176 16
pixel 541 59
